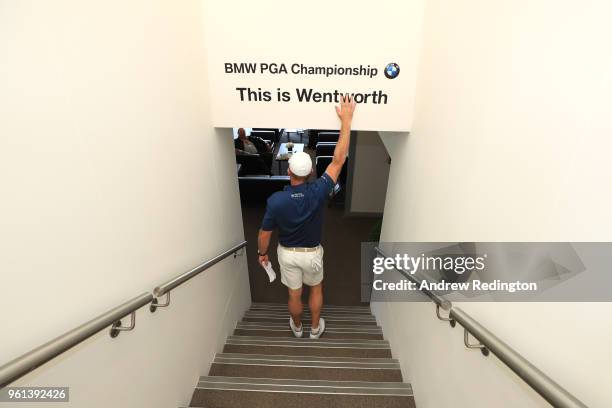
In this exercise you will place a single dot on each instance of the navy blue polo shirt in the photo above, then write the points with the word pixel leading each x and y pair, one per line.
pixel 297 212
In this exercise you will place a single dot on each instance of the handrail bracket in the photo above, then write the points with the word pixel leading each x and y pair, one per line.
pixel 155 303
pixel 117 328
pixel 448 319
pixel 239 252
pixel 466 341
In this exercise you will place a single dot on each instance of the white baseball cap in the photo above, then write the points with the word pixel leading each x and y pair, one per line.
pixel 300 164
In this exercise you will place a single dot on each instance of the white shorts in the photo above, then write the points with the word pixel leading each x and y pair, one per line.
pixel 297 268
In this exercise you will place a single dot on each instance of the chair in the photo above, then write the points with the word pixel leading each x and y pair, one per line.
pixel 328 137
pixel 325 149
pixel 252 164
pixel 277 132
pixel 259 188
pixel 321 163
pixel 313 136
pixel 337 195
pixel 268 135
pixel 343 173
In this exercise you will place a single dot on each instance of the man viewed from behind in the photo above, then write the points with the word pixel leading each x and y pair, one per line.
pixel 297 213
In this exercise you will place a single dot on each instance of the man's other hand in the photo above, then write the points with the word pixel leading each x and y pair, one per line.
pixel 346 109
pixel 263 260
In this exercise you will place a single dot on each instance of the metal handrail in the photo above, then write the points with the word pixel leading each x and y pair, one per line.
pixel 31 360
pixel 182 278
pixel 551 391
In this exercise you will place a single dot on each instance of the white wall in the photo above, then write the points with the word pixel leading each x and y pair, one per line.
pixel 511 142
pixel 370 173
pixel 113 181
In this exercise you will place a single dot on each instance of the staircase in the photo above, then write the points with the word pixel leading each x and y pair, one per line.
pixel 263 365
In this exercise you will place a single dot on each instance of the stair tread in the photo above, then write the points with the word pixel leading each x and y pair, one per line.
pixel 329 320
pixel 266 399
pixel 332 328
pixel 305 361
pixel 262 365
pixel 285 324
pixel 331 334
pixel 307 342
pixel 304 386
pixel 284 305
pixel 306 370
pixel 284 313
pixel 337 320
pixel 306 310
pixel 305 358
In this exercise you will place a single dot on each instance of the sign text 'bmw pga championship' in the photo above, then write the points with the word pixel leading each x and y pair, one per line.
pixel 268 75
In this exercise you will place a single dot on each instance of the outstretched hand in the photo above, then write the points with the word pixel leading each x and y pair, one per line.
pixel 346 108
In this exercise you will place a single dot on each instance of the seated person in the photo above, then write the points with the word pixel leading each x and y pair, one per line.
pixel 253 146
pixel 250 144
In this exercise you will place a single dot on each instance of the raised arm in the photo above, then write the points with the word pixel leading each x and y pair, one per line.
pixel 345 113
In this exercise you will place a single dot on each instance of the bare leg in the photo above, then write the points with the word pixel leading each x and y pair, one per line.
pixel 315 302
pixel 295 306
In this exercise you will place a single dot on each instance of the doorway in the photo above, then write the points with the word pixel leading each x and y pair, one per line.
pixel 352 215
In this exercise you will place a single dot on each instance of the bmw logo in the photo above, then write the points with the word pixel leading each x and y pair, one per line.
pixel 392 70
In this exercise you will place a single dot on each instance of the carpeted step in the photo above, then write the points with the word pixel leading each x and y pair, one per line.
pixel 336 319
pixel 306 367
pixel 264 366
pixel 306 347
pixel 306 315
pixel 238 392
pixel 333 331
pixel 282 307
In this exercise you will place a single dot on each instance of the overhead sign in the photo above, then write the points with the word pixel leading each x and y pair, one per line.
pixel 275 64
pixel 308 95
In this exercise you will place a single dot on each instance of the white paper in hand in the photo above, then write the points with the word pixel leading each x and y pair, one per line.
pixel 270 271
